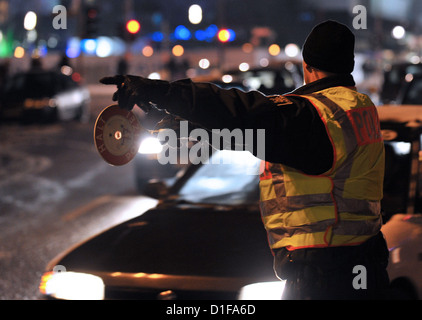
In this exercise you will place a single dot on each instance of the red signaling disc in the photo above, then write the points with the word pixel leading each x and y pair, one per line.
pixel 117 135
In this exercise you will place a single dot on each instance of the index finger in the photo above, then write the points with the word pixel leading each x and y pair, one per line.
pixel 113 80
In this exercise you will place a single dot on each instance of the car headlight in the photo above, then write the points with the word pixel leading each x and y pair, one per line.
pixel 262 291
pixel 72 286
pixel 150 145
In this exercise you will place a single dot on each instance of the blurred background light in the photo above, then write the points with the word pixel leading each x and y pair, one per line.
pixel 204 63
pixel 178 50
pixel 73 49
pixel 244 66
pixel 195 14
pixel 104 47
pixel 247 47
pixel 398 32
pixel 154 76
pixel 147 51
pixel 274 49
pixel 19 52
pixel 211 32
pixel 30 21
pixel 157 36
pixel 227 78
pixel 182 33
pixel 89 46
pixel 264 62
pixel 292 50
pixel 133 26
pixel 226 35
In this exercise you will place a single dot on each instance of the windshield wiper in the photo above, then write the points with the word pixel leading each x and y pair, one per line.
pixel 181 201
pixel 205 202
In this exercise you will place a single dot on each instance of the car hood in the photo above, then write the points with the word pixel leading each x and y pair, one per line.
pixel 181 240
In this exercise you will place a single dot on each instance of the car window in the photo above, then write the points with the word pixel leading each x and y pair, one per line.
pixel 269 81
pixel 414 93
pixel 230 178
pixel 66 82
pixel 32 85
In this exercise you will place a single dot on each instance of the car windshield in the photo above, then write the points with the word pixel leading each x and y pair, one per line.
pixel 230 178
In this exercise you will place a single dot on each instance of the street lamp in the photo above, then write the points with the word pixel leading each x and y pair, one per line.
pixel 398 32
pixel 195 14
pixel 133 26
pixel 30 21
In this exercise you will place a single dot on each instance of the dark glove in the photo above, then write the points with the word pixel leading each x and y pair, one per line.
pixel 131 90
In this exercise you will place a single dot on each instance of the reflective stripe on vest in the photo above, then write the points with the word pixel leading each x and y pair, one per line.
pixel 341 206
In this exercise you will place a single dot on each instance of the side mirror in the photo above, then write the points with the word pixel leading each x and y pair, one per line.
pixel 156 189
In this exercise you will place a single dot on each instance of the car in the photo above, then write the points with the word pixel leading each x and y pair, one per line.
pixel 43 95
pixel 402 203
pixel 205 238
pixel 401 129
pixel 191 246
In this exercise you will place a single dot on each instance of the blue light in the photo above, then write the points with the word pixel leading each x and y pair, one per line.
pixel 232 35
pixel 157 36
pixel 201 35
pixel 89 46
pixel 73 49
pixel 211 31
pixel 182 33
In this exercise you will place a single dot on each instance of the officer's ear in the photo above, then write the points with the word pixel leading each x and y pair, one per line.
pixel 308 68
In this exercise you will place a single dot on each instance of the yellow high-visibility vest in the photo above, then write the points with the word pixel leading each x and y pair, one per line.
pixel 341 206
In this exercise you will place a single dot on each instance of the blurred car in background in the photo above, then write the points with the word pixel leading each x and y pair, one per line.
pixel 411 93
pixel 279 78
pixel 40 95
pixel 396 79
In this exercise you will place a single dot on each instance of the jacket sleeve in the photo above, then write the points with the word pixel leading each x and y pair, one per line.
pixel 292 127
pixel 209 105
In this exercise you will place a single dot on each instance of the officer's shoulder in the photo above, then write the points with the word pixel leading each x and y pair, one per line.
pixel 281 100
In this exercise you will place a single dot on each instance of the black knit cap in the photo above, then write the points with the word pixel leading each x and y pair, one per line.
pixel 330 47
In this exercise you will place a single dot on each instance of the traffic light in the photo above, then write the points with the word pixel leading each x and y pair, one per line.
pixel 133 26
pixel 226 35
pixel 130 29
pixel 91 22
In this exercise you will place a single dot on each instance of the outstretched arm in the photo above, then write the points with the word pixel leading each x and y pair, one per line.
pixel 202 103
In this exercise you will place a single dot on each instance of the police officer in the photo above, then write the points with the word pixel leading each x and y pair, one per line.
pixel 324 165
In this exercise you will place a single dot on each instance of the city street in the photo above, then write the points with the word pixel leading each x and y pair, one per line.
pixel 55 191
